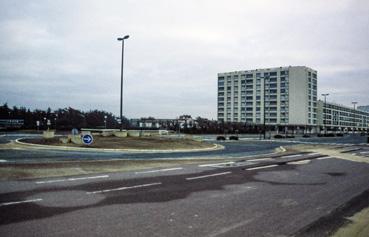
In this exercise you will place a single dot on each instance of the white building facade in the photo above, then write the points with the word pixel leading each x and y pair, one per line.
pixel 288 93
pixel 335 117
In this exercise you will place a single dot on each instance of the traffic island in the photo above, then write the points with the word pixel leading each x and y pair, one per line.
pixel 140 144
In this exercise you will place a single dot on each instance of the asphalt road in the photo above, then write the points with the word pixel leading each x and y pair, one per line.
pixel 285 195
pixel 251 198
pixel 233 149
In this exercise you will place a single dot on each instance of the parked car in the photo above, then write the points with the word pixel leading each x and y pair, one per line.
pixel 233 138
pixel 221 138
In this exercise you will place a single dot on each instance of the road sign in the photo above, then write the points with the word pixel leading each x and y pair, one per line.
pixel 48 122
pixel 38 123
pixel 87 139
pixel 74 131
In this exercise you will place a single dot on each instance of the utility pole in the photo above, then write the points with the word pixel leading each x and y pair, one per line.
pixel 121 82
pixel 355 124
pixel 264 127
pixel 325 113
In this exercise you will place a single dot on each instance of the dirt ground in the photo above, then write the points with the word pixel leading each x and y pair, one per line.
pixel 145 143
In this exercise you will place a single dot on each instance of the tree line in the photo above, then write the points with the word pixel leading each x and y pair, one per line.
pixel 68 118
pixel 62 119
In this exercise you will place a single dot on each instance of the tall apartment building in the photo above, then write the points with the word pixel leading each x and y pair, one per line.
pixel 288 93
pixel 337 117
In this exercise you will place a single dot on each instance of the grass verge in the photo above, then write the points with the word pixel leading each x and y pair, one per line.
pixel 57 169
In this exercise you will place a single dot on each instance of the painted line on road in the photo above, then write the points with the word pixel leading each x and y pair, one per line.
pixel 301 162
pixel 262 167
pixel 161 170
pixel 207 176
pixel 72 179
pixel 20 202
pixel 325 158
pixel 210 165
pixel 262 159
pixel 123 188
pixel 291 156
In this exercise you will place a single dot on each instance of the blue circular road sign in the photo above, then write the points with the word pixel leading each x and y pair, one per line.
pixel 87 139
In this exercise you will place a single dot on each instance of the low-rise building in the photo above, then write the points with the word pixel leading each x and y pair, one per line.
pixel 336 117
pixel 363 108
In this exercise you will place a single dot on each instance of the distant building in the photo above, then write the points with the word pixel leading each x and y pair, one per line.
pixel 11 123
pixel 363 108
pixel 288 93
pixel 342 118
pixel 184 121
pixel 150 123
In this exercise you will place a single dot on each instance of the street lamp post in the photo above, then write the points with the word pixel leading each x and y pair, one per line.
pixel 56 117
pixel 121 82
pixel 325 113
pixel 265 77
pixel 355 124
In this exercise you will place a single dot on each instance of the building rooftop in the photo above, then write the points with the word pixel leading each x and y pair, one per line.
pixel 265 69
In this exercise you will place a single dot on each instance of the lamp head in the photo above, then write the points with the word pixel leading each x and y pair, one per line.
pixel 125 37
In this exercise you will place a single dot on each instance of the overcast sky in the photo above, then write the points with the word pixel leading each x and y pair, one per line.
pixel 65 53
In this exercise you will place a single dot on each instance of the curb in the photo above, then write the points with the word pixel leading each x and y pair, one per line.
pixel 65 148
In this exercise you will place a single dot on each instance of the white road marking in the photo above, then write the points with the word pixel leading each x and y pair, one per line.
pixel 282 148
pixel 260 159
pixel 301 162
pixel 210 165
pixel 207 176
pixel 262 167
pixel 2 160
pixel 324 158
pixel 71 179
pixel 291 156
pixel 20 202
pixel 123 188
pixel 161 170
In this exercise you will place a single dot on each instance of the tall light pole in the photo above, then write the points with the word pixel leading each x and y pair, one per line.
pixel 265 77
pixel 121 82
pixel 325 113
pixel 355 124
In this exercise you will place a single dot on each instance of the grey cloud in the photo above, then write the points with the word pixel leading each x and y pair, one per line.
pixel 65 53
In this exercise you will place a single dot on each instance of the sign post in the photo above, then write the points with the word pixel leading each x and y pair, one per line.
pixel 48 124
